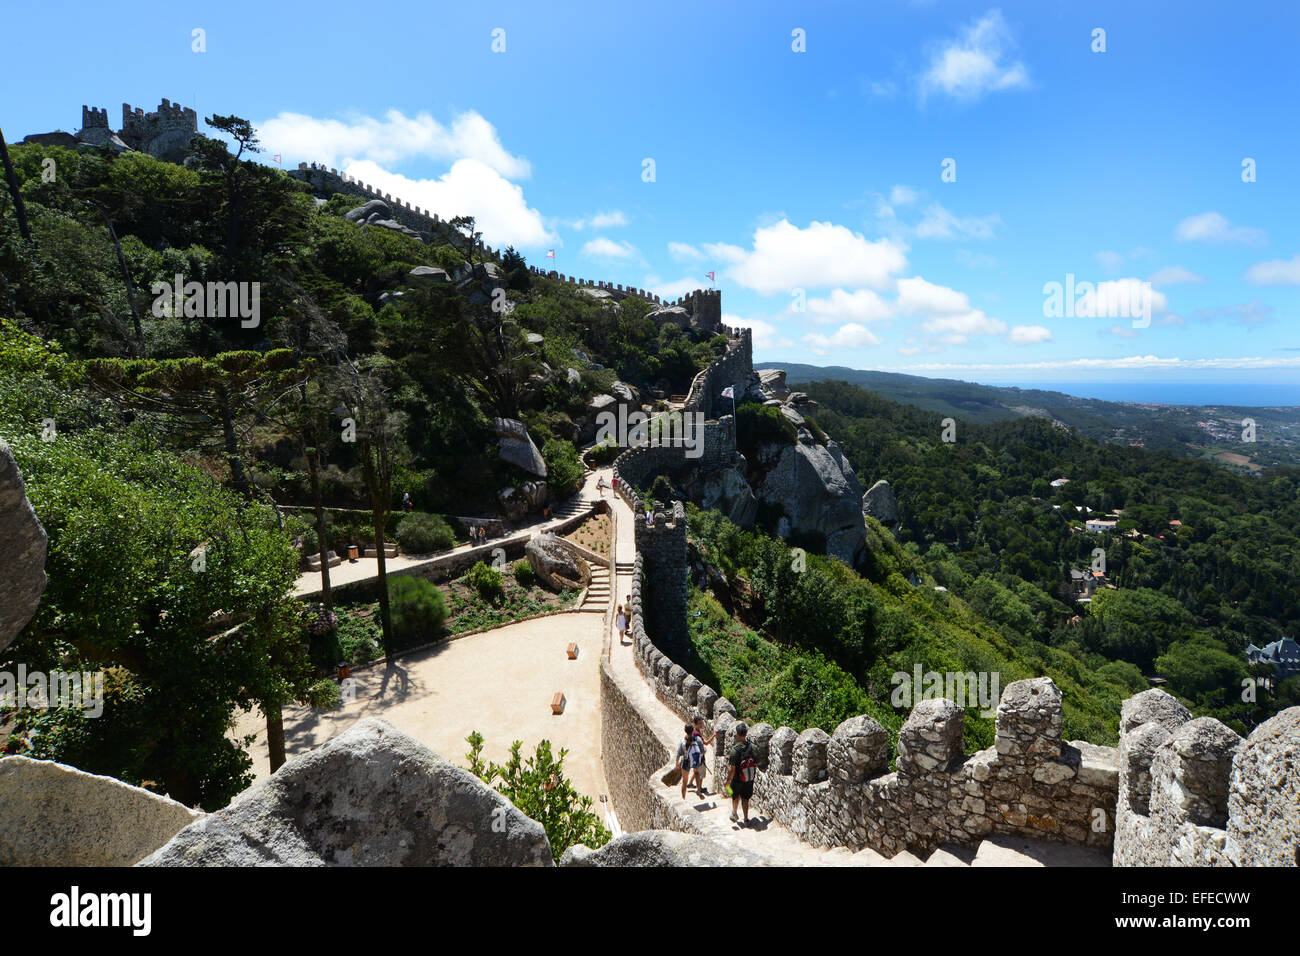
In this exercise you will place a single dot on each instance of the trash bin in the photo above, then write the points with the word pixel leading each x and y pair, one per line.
pixel 353 552
pixel 345 670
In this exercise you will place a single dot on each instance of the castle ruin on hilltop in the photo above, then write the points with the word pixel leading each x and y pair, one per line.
pixel 164 133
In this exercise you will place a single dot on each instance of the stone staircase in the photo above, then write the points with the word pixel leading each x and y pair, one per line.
pixel 572 506
pixel 596 600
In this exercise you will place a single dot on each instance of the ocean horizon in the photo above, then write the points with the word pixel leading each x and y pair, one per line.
pixel 1173 393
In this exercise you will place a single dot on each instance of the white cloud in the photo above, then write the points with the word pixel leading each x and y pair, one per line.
pixel 903 195
pixel 684 252
pixel 1172 275
pixel 916 296
pixel 1249 313
pixel 1213 227
pixel 940 223
pixel 766 335
pixel 671 290
pixel 469 188
pixel 849 336
pixel 1110 260
pixel 863 305
pixel 957 329
pixel 1122 332
pixel 602 220
pixel 1029 334
pixel 603 248
pixel 784 257
pixel 1118 297
pixel 391 139
pixel 969 67
pixel 1275 272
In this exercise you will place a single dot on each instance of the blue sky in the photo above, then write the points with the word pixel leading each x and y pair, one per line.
pixel 809 182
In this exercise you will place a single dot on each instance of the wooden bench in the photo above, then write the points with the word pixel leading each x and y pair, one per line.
pixel 573 651
pixel 557 703
pixel 390 551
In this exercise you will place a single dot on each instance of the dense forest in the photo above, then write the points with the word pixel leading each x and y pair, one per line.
pixel 976 578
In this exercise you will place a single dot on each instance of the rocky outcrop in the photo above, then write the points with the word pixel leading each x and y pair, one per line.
pixel 371 796
pixel 879 502
pixel 663 848
pixel 527 498
pixel 55 815
pixel 515 445
pixel 363 212
pixel 22 556
pixel 819 493
pixel 557 563
pixel 428 274
pixel 724 490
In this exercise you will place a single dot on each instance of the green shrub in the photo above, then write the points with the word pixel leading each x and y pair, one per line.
pixel 662 490
pixel 485 580
pixel 357 639
pixel 423 533
pixel 604 453
pixel 525 574
pixel 563 469
pixel 760 424
pixel 417 609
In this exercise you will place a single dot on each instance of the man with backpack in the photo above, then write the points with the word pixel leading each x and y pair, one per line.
pixel 744 768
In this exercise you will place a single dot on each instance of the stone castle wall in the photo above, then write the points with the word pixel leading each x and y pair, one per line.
pixel 1194 793
pixel 835 789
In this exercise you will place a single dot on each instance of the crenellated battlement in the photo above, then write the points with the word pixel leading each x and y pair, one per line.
pixel 1192 792
pixel 836 789
pixel 92 118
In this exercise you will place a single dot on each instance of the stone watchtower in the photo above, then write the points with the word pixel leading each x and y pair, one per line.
pixel 705 308
pixel 662 547
pixel 164 133
pixel 94 126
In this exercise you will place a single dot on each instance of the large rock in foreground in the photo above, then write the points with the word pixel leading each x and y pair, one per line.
pixel 662 848
pixel 55 815
pixel 372 796
pixel 22 557
pixel 557 563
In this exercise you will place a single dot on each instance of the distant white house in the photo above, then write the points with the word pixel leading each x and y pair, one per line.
pixel 1099 524
pixel 1060 482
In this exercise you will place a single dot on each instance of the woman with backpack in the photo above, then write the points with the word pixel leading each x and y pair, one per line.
pixel 744 768
pixel 684 758
pixel 702 742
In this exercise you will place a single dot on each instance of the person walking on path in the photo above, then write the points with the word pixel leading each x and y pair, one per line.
pixel 703 742
pixel 600 485
pixel 621 622
pixel 687 753
pixel 473 536
pixel 743 764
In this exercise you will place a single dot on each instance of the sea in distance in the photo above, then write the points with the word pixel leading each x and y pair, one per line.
pixel 1174 393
